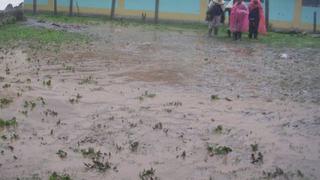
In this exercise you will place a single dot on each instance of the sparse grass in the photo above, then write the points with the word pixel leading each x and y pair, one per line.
pixel 4 102
pixel 254 147
pixel 6 86
pixel 30 104
pixel 146 95
pixel 214 97
pixel 218 150
pixel 62 154
pixel 7 123
pixel 256 157
pixel 218 129
pixel 51 113
pixel 60 18
pixel 134 146
pixel 56 176
pixel 290 40
pixel 91 153
pixel 47 83
pixel 88 80
pixel 99 165
pixel 76 99
pixel 158 126
pixel 16 32
pixel 148 174
pixel 273 38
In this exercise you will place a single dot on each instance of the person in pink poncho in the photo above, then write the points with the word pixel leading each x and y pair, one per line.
pixel 256 19
pixel 239 21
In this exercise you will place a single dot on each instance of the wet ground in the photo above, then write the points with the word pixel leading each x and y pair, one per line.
pixel 164 100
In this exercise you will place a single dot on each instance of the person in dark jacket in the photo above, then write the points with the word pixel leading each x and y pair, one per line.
pixel 256 19
pixel 215 11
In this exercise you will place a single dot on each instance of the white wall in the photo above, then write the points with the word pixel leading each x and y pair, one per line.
pixel 4 3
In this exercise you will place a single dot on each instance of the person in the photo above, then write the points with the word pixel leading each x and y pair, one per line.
pixel 256 19
pixel 214 14
pixel 228 10
pixel 239 19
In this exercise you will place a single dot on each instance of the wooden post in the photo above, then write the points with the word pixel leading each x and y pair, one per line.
pixel 156 15
pixel 71 8
pixel 113 7
pixel 34 9
pixel 55 11
pixel 267 14
pixel 315 22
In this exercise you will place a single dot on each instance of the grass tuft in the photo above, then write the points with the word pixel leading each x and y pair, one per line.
pixel 7 123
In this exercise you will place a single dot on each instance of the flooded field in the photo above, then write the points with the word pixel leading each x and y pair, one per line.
pixel 137 103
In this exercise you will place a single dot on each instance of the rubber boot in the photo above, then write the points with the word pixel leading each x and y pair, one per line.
pixel 210 32
pixel 235 35
pixel 215 31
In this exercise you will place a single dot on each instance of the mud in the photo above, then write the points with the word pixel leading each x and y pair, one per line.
pixel 115 91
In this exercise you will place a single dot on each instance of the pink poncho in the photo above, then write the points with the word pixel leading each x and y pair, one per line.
pixel 262 24
pixel 239 19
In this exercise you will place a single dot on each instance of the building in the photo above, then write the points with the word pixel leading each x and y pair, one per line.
pixel 284 14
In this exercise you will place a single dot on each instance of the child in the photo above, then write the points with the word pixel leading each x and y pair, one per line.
pixel 256 19
pixel 239 21
pixel 215 11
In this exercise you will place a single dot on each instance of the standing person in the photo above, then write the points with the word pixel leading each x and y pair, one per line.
pixel 228 10
pixel 256 19
pixel 215 11
pixel 239 19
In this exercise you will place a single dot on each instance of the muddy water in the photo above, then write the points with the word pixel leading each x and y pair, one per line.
pixel 263 100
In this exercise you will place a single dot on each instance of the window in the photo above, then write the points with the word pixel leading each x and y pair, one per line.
pixel 311 3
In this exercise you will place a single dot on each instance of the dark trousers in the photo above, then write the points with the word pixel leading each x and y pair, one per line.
pixel 253 29
pixel 237 36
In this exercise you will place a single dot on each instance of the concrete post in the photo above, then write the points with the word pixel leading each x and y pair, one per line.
pixel 34 9
pixel 113 7
pixel 156 15
pixel 55 11
pixel 71 8
pixel 315 22
pixel 267 5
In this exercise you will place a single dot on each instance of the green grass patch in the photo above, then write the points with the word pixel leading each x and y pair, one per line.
pixel 56 176
pixel 4 102
pixel 7 123
pixel 218 150
pixel 16 32
pixel 290 40
pixel 61 18
pixel 272 39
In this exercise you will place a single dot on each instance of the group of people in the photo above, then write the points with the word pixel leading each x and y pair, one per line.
pixel 241 18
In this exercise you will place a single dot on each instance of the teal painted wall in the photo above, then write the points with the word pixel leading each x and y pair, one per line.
pixel 170 6
pixel 87 3
pixel 307 14
pixel 143 5
pixel 180 6
pixel 282 10
pixel 42 2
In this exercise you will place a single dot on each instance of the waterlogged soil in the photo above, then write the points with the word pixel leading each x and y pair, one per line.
pixel 157 99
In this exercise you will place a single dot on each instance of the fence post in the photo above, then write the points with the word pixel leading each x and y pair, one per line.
pixel 113 7
pixel 55 12
pixel 267 14
pixel 156 15
pixel 34 9
pixel 71 8
pixel 315 22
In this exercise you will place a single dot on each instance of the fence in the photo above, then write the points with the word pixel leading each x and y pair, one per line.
pixel 284 14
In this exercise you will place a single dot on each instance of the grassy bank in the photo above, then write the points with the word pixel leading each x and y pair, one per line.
pixel 15 31
pixel 12 33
